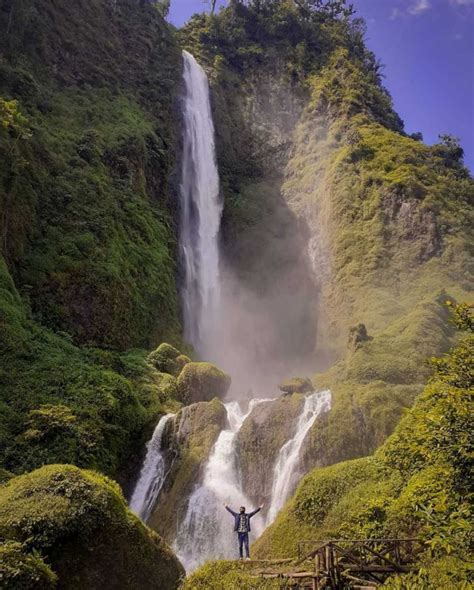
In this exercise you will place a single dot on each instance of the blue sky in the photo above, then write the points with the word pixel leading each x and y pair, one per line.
pixel 427 47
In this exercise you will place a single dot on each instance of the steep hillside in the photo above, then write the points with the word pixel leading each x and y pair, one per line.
pixel 417 484
pixel 88 141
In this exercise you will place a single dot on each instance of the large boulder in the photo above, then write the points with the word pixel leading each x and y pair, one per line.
pixel 168 359
pixel 263 433
pixel 190 440
pixel 199 382
pixel 78 523
pixel 296 385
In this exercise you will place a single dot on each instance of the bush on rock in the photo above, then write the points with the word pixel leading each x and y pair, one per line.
pixel 165 359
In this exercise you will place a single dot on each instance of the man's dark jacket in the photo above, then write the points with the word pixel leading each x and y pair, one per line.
pixel 237 515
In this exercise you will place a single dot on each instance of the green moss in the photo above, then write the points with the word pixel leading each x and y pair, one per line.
pixel 78 522
pixel 296 385
pixel 88 236
pixel 201 382
pixel 311 512
pixel 165 359
pixel 226 575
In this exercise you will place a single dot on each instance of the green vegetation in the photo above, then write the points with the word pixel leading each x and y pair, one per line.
pixel 226 575
pixel 167 359
pixel 87 143
pixel 78 523
pixel 201 382
pixel 417 484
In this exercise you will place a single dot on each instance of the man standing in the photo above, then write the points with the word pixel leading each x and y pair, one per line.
pixel 242 527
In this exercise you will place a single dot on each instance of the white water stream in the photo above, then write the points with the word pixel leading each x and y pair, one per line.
pixel 206 529
pixel 152 475
pixel 287 463
pixel 201 211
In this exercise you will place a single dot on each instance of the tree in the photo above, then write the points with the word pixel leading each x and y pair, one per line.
pixel 212 5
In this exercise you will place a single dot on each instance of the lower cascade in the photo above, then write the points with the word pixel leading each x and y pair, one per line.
pixel 288 459
pixel 206 529
pixel 152 475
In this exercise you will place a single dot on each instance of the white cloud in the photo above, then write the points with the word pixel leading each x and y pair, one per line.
pixel 462 2
pixel 420 6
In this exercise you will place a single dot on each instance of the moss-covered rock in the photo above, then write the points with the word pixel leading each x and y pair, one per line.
pixel 165 359
pixel 296 385
pixel 202 382
pixel 78 522
pixel 258 442
pixel 374 384
pixel 191 439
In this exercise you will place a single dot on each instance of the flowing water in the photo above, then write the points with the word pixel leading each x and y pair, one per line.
pixel 286 466
pixel 206 529
pixel 201 211
pixel 152 475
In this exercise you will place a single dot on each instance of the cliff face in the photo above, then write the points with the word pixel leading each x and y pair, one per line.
pixel 376 221
pixel 87 224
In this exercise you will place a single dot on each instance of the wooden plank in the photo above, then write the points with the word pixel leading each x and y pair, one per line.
pixel 377 568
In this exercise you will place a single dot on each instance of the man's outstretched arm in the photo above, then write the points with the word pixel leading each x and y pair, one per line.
pixel 230 510
pixel 255 511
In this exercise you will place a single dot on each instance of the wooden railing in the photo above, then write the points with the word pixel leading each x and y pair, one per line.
pixel 350 563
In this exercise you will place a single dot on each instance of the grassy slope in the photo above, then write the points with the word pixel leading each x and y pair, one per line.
pixel 87 143
pixel 417 484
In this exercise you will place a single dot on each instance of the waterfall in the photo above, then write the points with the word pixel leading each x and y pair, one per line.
pixel 152 475
pixel 201 211
pixel 288 458
pixel 206 530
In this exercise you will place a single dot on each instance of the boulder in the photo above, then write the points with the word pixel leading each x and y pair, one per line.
pixel 190 439
pixel 78 523
pixel 296 385
pixel 202 382
pixel 263 433
pixel 165 359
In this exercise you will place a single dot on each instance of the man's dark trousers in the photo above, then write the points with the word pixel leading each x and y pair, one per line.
pixel 243 540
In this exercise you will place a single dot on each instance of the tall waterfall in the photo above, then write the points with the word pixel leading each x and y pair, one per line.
pixel 201 211
pixel 152 474
pixel 206 530
pixel 288 458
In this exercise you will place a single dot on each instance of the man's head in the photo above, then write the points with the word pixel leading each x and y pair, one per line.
pixel 242 510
